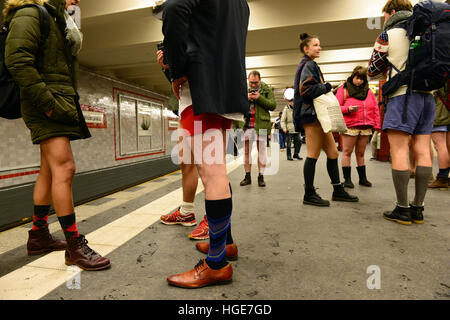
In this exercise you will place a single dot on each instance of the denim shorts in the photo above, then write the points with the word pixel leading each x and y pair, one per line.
pixel 421 110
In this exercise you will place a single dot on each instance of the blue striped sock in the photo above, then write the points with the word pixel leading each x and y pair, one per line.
pixel 218 213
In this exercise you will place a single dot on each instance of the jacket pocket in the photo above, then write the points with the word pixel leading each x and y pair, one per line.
pixel 65 111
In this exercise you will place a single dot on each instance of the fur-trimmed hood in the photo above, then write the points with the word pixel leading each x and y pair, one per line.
pixel 12 5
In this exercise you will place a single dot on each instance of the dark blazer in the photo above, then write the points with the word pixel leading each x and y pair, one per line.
pixel 205 40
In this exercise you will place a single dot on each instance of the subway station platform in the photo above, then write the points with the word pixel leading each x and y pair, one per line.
pixel 287 250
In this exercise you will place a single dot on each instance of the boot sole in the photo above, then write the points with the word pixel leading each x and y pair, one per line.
pixel 316 204
pixel 34 253
pixel 406 223
pixel 345 199
pixel 88 269
pixel 418 221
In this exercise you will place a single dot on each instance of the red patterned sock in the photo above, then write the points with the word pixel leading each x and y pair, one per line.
pixel 40 217
pixel 69 226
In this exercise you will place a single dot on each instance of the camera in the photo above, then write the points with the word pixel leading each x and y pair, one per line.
pixel 160 46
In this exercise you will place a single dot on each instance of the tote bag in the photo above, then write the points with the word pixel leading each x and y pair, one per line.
pixel 329 113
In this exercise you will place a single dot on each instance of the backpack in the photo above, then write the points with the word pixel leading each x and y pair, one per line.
pixel 10 97
pixel 428 63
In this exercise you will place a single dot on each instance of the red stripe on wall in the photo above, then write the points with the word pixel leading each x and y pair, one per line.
pixel 18 174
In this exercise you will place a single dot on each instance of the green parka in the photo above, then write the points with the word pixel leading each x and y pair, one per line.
pixel 54 86
pixel 442 117
pixel 265 103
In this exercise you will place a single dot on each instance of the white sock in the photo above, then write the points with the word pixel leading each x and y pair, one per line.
pixel 186 208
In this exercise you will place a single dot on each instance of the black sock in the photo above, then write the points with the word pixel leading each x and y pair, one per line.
pixel 40 216
pixel 333 171
pixel 218 213
pixel 309 171
pixel 69 226
pixel 229 236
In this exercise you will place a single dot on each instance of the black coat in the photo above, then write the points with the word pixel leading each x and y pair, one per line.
pixel 205 40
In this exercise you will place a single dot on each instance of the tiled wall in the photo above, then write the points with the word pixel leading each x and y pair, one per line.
pixel 19 159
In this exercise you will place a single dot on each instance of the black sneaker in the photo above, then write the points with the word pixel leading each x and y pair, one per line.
pixel 315 200
pixel 399 214
pixel 297 157
pixel 416 213
pixel 339 194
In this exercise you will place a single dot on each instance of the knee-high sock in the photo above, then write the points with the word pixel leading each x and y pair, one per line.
pixel 422 176
pixel 218 213
pixel 401 180
pixel 333 171
pixel 309 171
pixel 229 236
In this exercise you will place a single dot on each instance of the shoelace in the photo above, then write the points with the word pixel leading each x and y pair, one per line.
pixel 198 265
pixel 204 224
pixel 84 247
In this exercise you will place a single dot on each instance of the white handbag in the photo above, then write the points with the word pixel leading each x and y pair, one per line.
pixel 329 113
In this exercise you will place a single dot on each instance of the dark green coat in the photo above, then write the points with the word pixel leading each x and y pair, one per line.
pixel 265 103
pixel 442 117
pixel 53 87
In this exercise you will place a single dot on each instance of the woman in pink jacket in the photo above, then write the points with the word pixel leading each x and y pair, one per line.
pixel 361 113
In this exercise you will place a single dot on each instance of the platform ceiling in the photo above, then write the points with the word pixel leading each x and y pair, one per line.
pixel 121 37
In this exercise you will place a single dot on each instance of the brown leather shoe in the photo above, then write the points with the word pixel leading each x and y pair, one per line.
pixel 40 241
pixel 78 253
pixel 202 275
pixel 439 183
pixel 231 250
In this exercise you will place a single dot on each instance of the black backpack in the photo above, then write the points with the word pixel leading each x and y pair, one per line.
pixel 428 63
pixel 10 92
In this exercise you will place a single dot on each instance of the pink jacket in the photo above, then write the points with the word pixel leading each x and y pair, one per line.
pixel 368 113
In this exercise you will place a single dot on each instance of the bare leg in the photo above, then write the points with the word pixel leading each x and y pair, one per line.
pixel 58 154
pixel 42 194
pixel 360 149
pixel 348 144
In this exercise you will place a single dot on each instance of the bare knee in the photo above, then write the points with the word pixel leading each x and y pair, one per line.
pixel 64 172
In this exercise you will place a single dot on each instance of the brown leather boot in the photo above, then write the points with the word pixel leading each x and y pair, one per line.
pixel 439 183
pixel 40 241
pixel 78 253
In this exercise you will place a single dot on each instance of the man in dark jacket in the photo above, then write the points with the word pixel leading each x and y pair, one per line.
pixel 204 42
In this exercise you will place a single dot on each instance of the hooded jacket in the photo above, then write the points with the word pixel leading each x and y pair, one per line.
pixel 368 113
pixel 54 86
